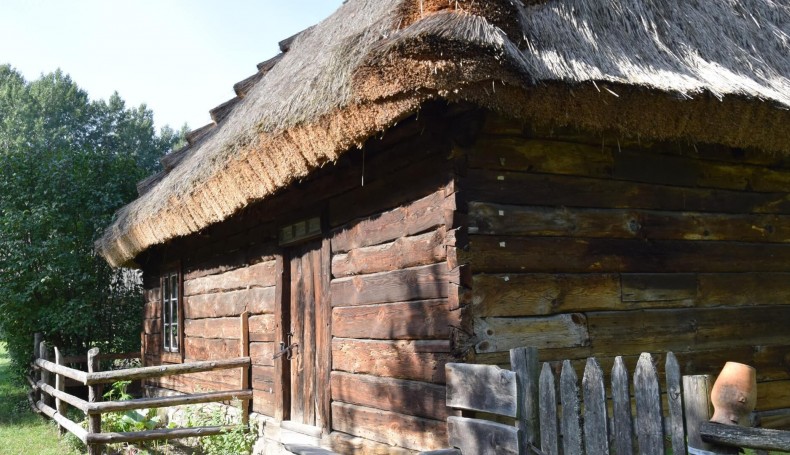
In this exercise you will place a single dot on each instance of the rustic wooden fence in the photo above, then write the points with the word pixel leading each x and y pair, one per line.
pixel 50 380
pixel 570 419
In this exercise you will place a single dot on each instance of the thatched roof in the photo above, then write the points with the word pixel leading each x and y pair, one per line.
pixel 699 70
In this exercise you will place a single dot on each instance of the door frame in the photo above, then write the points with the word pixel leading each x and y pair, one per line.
pixel 323 336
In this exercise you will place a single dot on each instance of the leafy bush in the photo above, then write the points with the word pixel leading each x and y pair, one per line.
pixel 133 420
pixel 68 163
pixel 238 440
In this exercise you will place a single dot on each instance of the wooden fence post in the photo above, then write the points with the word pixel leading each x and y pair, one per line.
pixel 60 384
pixel 524 362
pixel 94 420
pixel 697 408
pixel 244 350
pixel 37 338
pixel 647 394
pixel 45 375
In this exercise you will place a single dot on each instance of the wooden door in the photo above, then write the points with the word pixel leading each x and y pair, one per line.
pixel 309 317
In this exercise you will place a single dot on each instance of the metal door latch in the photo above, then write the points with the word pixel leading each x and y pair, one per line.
pixel 286 351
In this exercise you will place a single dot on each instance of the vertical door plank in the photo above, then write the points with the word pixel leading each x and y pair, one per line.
pixel 675 401
pixel 307 342
pixel 323 336
pixel 524 362
pixel 569 396
pixel 622 425
pixel 549 438
pixel 596 436
pixel 297 328
pixel 282 318
pixel 649 431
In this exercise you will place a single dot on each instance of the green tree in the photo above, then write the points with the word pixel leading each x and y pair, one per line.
pixel 66 165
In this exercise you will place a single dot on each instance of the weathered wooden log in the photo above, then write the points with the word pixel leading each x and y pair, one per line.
pixel 751 438
pixel 163 370
pixel 607 161
pixel 145 403
pixel 596 434
pixel 150 435
pixel 516 220
pixel 256 275
pixel 387 427
pixel 420 399
pixel 346 443
pixel 481 437
pixel 419 360
pixel 410 251
pixel 413 218
pixel 714 328
pixel 558 331
pixel 558 190
pixel 497 254
pixel 485 388
pixel 62 420
pixel 77 375
pixel 230 304
pixel 393 321
pixel 416 283
pixel 542 294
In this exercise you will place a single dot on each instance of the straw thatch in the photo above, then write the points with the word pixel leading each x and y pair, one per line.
pixel 708 71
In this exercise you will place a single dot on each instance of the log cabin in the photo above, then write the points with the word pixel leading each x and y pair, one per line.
pixel 415 182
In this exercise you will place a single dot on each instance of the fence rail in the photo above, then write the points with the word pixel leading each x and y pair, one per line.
pixel 43 392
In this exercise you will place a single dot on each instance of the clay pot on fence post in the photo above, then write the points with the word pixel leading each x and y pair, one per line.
pixel 734 394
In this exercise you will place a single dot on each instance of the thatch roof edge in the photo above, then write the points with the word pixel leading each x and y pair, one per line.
pixel 361 64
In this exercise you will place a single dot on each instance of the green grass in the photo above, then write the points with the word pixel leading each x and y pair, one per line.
pixel 21 431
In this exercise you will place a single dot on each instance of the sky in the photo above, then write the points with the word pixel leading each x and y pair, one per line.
pixel 179 57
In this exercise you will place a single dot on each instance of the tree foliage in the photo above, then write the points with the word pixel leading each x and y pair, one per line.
pixel 66 165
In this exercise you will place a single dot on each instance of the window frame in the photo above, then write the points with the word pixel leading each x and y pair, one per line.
pixel 169 301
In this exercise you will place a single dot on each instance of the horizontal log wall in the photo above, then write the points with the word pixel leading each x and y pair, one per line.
pixel 392 325
pixel 582 246
pixel 217 289
pixel 395 288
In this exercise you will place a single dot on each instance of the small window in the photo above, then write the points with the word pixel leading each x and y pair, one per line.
pixel 171 309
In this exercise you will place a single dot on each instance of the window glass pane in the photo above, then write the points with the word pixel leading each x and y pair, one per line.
pixel 166 300
pixel 174 287
pixel 174 332
pixel 166 336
